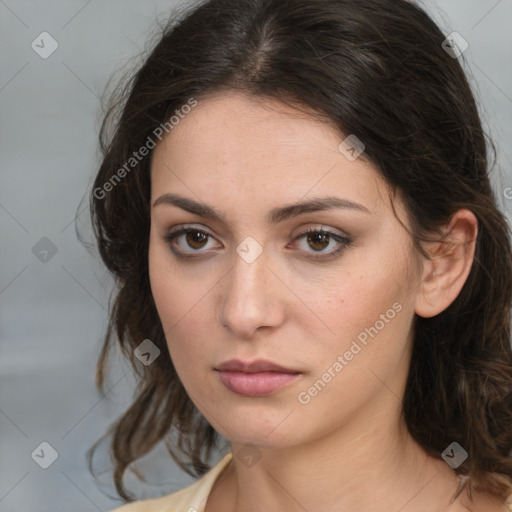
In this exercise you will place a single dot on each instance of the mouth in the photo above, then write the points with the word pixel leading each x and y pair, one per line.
pixel 258 378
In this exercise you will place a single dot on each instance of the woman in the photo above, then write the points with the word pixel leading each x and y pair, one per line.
pixel 295 203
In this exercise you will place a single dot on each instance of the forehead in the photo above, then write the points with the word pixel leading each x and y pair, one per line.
pixel 235 148
pixel 237 123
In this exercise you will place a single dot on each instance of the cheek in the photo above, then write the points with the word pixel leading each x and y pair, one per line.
pixel 162 284
pixel 369 348
pixel 180 301
pixel 380 278
pixel 368 311
pixel 353 299
pixel 173 290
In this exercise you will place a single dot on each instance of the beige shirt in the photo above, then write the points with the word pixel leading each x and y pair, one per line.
pixel 190 499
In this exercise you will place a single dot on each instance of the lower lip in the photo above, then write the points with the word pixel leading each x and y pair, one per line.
pixel 256 384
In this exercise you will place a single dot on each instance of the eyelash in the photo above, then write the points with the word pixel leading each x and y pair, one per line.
pixel 344 241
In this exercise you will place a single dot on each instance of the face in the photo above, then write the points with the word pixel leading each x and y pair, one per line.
pixel 325 291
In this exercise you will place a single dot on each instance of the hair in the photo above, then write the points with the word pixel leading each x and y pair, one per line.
pixel 376 69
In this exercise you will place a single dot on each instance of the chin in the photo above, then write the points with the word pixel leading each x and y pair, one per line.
pixel 257 428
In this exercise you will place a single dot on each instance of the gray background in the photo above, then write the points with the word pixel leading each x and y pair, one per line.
pixel 53 314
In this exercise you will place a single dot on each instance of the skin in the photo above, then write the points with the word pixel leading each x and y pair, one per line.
pixel 347 448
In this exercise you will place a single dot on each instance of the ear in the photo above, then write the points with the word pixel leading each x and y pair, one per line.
pixel 451 260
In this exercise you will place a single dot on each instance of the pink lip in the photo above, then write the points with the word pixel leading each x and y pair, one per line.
pixel 258 378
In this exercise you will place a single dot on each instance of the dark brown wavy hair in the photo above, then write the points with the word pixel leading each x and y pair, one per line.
pixel 377 69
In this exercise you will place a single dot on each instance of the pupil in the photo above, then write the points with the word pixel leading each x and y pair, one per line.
pixel 317 238
pixel 194 239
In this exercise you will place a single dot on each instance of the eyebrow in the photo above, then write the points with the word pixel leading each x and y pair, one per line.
pixel 274 216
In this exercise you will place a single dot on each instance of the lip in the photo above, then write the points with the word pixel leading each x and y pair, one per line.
pixel 257 378
pixel 260 365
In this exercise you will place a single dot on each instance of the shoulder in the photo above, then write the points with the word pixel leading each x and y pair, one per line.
pixel 190 499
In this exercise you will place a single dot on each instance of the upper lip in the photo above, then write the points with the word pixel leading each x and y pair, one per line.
pixel 261 365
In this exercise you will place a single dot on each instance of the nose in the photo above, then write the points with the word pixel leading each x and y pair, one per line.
pixel 251 298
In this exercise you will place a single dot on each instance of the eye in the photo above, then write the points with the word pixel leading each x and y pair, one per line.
pixel 195 238
pixel 318 239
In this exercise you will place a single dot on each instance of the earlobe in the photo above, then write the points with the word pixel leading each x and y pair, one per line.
pixel 448 268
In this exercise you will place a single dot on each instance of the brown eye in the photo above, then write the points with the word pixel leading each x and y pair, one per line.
pixel 196 239
pixel 320 239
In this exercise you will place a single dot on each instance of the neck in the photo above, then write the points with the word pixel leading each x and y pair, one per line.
pixel 370 464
